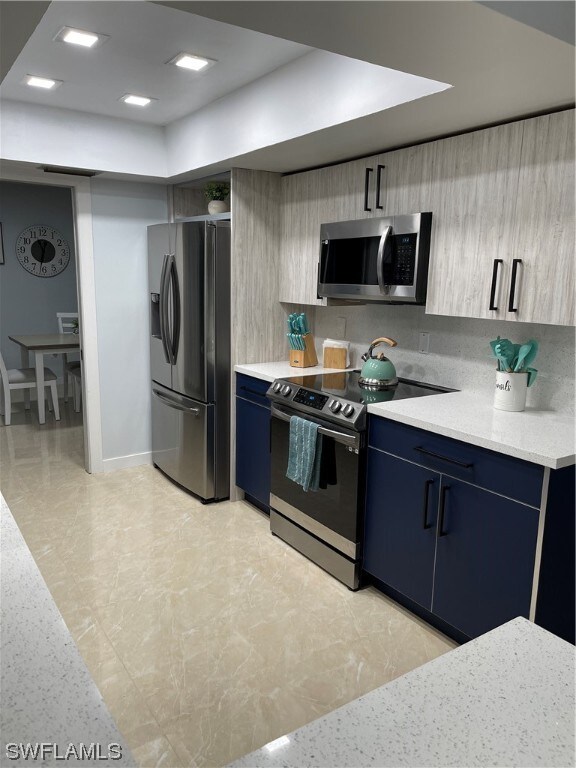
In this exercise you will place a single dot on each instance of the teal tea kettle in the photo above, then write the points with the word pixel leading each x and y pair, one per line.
pixel 378 372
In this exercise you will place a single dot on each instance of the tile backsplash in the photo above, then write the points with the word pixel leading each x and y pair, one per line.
pixel 459 354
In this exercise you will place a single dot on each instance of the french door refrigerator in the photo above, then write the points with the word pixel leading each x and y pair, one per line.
pixel 189 283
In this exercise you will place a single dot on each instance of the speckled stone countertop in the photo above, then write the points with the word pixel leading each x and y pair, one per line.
pixel 545 437
pixel 48 695
pixel 282 370
pixel 504 699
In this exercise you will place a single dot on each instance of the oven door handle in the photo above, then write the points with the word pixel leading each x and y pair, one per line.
pixel 339 437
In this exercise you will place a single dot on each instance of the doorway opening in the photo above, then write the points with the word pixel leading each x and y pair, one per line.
pixel 47 270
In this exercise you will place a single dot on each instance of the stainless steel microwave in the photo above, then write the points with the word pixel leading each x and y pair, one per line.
pixel 383 260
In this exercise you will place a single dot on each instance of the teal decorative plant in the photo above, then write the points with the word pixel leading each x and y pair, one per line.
pixel 217 190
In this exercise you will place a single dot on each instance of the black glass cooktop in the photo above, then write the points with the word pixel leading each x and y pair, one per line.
pixel 345 386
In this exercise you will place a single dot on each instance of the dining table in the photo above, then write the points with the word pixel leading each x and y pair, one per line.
pixel 41 344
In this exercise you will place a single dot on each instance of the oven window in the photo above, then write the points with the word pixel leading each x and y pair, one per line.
pixel 336 503
pixel 350 262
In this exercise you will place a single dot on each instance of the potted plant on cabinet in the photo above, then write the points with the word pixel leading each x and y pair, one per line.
pixel 216 193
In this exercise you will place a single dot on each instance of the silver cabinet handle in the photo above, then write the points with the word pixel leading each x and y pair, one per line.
pixel 174 403
pixel 339 437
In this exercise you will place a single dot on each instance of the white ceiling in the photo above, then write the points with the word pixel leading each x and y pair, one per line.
pixel 143 37
pixel 505 61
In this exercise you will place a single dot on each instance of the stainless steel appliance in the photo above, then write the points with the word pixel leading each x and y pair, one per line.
pixel 189 282
pixel 381 259
pixel 327 525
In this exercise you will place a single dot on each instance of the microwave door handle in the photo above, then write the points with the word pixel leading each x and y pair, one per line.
pixel 380 258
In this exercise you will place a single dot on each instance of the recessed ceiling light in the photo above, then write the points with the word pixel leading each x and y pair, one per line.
pixel 137 101
pixel 42 82
pixel 80 37
pixel 191 61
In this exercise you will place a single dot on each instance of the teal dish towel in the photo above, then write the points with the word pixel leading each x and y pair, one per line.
pixel 304 453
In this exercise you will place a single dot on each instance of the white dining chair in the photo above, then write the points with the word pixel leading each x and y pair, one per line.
pixel 74 370
pixel 24 378
pixel 68 323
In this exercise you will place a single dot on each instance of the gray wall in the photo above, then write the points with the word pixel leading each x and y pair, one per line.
pixel 121 212
pixel 29 304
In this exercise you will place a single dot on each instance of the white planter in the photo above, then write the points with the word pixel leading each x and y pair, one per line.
pixel 510 391
pixel 217 206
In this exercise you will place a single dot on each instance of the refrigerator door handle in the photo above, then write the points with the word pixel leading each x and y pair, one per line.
pixel 176 312
pixel 163 301
pixel 174 403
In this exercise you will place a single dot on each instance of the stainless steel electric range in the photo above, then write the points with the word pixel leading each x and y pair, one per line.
pixel 326 525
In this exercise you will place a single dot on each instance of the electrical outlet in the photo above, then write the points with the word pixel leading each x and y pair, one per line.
pixel 339 328
pixel 424 342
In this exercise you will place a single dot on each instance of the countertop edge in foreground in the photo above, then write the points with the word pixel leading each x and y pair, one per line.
pixel 506 698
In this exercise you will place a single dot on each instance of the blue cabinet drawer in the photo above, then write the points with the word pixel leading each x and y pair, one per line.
pixel 252 389
pixel 496 472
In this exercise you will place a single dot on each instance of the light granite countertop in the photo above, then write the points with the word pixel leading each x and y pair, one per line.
pixel 282 370
pixel 48 695
pixel 504 699
pixel 544 437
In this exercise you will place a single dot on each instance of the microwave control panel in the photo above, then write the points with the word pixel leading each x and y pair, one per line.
pixel 401 270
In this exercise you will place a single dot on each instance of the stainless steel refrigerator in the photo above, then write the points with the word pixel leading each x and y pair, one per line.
pixel 189 283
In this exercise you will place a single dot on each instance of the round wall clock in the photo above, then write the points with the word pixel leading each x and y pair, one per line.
pixel 42 251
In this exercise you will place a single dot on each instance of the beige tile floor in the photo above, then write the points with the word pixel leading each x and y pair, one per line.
pixel 207 636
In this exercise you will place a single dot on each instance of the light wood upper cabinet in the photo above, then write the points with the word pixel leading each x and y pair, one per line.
pixel 503 227
pixel 497 196
pixel 472 198
pixel 543 233
pixel 407 179
pixel 308 200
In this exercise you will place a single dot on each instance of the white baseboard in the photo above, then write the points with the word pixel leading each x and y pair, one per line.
pixel 124 462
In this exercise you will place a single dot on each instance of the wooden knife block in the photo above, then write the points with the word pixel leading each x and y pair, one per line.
pixel 304 358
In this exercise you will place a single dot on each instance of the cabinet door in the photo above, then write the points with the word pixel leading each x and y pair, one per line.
pixel 400 524
pixel 253 449
pixel 484 558
pixel 310 199
pixel 300 238
pixel 407 179
pixel 472 199
pixel 544 222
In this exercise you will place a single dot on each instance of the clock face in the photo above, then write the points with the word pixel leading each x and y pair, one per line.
pixel 42 251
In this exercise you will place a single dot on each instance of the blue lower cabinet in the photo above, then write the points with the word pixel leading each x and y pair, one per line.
pixel 486 546
pixel 400 525
pixel 253 450
pixel 464 554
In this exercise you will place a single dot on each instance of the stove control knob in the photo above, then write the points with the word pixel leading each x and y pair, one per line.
pixel 286 390
pixel 348 411
pixel 277 387
pixel 335 406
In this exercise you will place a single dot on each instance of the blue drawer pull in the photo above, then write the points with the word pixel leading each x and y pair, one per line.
pixel 253 392
pixel 444 458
